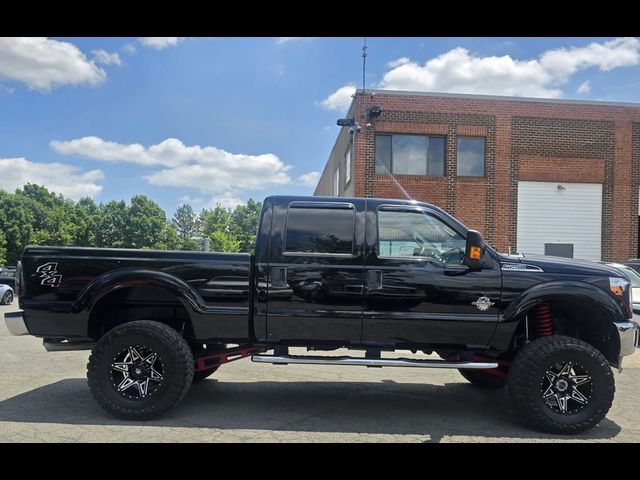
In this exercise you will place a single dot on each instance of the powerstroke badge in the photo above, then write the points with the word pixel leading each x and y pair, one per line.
pixel 49 274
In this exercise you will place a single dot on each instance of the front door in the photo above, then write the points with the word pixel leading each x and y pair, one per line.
pixel 416 290
pixel 316 269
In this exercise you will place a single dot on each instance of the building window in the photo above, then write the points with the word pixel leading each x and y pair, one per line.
pixel 347 166
pixel 410 155
pixel 470 157
pixel 320 230
pixel 336 182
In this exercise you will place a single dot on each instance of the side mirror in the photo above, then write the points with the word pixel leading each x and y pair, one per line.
pixel 473 250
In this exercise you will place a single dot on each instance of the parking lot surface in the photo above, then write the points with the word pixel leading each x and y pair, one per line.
pixel 44 398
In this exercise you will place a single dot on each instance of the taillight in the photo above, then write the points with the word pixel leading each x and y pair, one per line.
pixel 19 280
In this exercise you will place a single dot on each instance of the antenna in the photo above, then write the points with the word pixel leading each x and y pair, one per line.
pixel 364 63
pixel 364 72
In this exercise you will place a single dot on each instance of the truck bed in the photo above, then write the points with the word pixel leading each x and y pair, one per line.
pixel 205 287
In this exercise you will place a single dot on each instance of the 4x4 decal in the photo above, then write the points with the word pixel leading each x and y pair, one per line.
pixel 49 274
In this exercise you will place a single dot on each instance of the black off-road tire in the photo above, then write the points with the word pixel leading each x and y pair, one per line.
pixel 483 379
pixel 528 372
pixel 177 369
pixel 202 374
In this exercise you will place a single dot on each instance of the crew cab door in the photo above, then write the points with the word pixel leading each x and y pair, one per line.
pixel 416 290
pixel 316 270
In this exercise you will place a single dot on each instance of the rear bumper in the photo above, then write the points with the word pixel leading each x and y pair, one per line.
pixel 15 323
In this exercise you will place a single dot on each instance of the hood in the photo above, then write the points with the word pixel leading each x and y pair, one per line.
pixel 563 265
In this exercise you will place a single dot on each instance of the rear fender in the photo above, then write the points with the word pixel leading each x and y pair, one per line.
pixel 136 277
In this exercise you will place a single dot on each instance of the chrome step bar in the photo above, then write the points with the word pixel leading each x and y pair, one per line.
pixel 369 362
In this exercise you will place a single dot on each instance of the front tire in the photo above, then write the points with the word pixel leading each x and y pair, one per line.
pixel 140 369
pixel 483 379
pixel 7 298
pixel 561 384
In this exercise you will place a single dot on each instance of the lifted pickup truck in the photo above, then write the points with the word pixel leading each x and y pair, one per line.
pixel 365 274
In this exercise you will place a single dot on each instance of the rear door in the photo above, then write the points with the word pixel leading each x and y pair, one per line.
pixel 316 270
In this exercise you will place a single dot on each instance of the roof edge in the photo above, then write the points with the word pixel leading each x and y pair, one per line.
pixel 502 98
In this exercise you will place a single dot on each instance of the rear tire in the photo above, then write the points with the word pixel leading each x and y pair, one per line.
pixel 483 379
pixel 140 369
pixel 561 384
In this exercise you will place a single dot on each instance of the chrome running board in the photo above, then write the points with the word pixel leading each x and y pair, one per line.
pixel 369 362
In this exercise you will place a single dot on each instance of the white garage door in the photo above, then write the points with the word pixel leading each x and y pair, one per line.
pixel 559 217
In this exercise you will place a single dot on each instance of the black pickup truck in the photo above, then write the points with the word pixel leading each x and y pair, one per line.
pixel 370 275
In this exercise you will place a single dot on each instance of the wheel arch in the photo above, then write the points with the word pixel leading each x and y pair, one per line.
pixel 579 309
pixel 132 294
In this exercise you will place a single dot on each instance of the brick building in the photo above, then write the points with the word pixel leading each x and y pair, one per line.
pixel 559 177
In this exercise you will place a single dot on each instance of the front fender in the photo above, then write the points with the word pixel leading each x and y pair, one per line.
pixel 135 277
pixel 584 294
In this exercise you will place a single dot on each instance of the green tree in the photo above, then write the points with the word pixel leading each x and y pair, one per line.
pixel 145 223
pixel 244 224
pixel 222 241
pixel 215 219
pixel 187 226
pixel 112 225
pixel 169 239
pixel 16 222
pixel 3 248
pixel 87 214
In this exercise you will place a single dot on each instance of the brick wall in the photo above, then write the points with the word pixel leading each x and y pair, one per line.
pixel 525 140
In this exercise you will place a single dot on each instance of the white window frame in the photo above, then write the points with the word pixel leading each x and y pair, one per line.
pixel 336 182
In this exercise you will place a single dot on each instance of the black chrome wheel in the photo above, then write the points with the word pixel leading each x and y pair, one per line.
pixel 567 387
pixel 136 372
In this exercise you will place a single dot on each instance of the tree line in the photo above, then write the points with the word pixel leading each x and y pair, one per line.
pixel 35 216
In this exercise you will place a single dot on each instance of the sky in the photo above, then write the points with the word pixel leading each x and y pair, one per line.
pixel 222 120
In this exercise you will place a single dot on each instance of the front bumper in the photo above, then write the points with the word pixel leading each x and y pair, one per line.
pixel 628 334
pixel 15 323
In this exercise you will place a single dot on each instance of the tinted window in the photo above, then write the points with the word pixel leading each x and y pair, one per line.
pixel 435 160
pixel 470 157
pixel 409 155
pixel 418 234
pixel 383 154
pixel 320 230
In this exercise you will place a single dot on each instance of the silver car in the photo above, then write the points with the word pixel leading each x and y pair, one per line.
pixel 6 295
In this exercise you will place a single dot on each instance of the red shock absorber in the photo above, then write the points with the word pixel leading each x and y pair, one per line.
pixel 544 321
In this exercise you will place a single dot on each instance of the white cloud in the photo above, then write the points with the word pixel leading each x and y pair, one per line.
pixel 57 177
pixel 398 62
pixel 158 43
pixel 44 64
pixel 459 71
pixel 129 48
pixel 225 200
pixel 585 87
pixel 340 99
pixel 309 179
pixel 106 58
pixel 283 40
pixel 208 169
